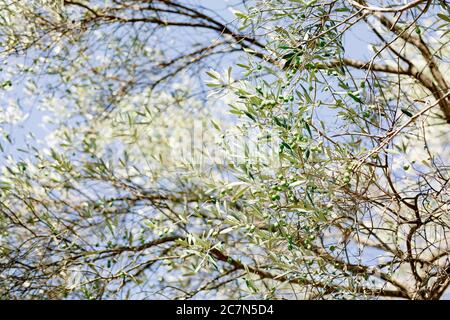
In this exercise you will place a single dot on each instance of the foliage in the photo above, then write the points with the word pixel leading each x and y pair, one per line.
pixel 184 156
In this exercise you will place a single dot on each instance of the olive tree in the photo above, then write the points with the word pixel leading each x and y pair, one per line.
pixel 159 149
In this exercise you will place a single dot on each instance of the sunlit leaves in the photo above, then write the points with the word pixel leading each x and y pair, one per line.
pixel 155 174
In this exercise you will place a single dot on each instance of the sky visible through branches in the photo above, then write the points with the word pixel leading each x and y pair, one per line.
pixel 224 149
